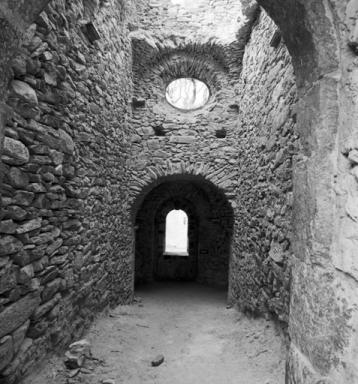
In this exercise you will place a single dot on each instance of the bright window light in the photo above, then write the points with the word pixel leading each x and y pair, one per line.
pixel 187 94
pixel 176 233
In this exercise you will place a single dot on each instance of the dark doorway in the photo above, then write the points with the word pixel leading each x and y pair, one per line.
pixel 209 231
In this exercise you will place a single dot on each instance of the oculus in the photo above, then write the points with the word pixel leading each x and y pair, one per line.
pixel 187 94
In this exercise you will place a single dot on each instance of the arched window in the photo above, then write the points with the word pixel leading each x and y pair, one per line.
pixel 176 233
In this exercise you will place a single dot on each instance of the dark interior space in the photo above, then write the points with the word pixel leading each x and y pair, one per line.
pixel 210 225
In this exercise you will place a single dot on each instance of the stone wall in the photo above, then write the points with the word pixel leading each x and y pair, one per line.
pixel 65 246
pixel 172 143
pixel 251 164
pixel 266 143
pixel 324 57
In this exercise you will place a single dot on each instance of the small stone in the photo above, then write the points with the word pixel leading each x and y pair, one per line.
pixel 9 245
pixel 16 213
pixel 19 335
pixel 82 347
pixel 353 156
pixel 19 66
pixel 51 289
pixel 50 79
pixel 67 144
pixel 182 139
pixel 25 275
pixel 276 252
pixel 6 351
pixel 17 178
pixel 8 227
pixel 24 198
pixel 108 381
pixel 37 329
pixel 46 56
pixel 15 152
pixel 21 258
pixel 7 278
pixel 77 353
pixel 36 188
pixel 73 361
pixel 57 157
pixel 158 360
pixel 81 58
pixel 13 316
pixel 135 139
pixel 74 372
pixel 29 226
pixel 24 92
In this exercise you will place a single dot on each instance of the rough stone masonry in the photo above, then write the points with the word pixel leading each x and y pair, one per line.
pixel 93 157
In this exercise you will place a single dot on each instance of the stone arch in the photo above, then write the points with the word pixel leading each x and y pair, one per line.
pixel 311 34
pixel 155 175
pixel 209 212
pixel 204 62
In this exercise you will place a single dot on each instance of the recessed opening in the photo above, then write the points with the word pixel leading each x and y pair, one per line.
pixel 276 39
pixel 159 131
pixel 220 133
pixel 138 102
pixel 90 31
pixel 234 108
pixel 176 233
pixel 187 94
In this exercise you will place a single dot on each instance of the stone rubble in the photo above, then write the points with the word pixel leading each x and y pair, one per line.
pixel 158 360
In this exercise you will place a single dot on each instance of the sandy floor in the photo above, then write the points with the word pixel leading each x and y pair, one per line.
pixel 201 340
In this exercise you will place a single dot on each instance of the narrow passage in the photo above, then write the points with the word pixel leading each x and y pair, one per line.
pixel 202 342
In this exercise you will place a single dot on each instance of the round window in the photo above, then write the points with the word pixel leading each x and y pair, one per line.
pixel 187 93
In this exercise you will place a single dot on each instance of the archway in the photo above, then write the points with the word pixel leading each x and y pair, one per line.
pixel 210 226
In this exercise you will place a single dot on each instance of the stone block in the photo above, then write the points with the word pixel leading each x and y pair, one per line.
pixel 66 143
pixel 18 335
pixel 23 91
pixel 7 278
pixel 44 308
pixel 38 329
pixel 53 247
pixel 6 351
pixel 353 156
pixel 17 178
pixel 153 144
pixel 25 275
pixel 51 289
pixel 15 212
pixel 8 227
pixel 14 315
pixel 15 152
pixel 29 226
pixel 276 252
pixel 19 66
pixel 9 245
pixel 353 39
pixel 23 198
pixel 182 139
pixel 21 258
pixel 90 31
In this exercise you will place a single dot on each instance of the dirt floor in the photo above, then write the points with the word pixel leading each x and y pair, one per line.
pixel 201 340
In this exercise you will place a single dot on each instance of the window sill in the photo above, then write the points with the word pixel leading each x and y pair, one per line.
pixel 180 254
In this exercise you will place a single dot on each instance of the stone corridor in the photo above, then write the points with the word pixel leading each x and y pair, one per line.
pixel 240 113
pixel 200 339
